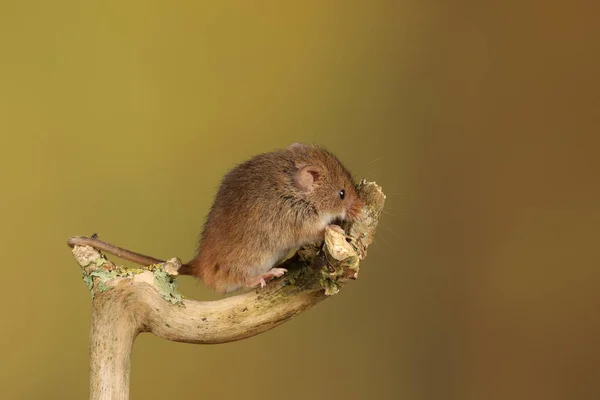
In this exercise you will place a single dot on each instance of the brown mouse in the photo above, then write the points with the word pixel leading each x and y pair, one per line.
pixel 264 208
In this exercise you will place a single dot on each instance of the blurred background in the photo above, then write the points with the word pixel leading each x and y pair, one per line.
pixel 480 119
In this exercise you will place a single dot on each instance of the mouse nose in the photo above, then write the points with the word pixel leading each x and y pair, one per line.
pixel 354 209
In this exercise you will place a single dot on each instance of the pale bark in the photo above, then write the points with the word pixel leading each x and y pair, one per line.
pixel 129 301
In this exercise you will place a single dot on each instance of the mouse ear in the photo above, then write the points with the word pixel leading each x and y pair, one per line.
pixel 306 176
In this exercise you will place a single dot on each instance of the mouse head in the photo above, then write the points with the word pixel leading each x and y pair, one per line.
pixel 323 180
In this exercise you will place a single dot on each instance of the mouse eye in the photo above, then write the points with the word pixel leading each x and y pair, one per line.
pixel 342 194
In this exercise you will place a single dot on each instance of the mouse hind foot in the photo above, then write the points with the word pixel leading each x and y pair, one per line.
pixel 266 277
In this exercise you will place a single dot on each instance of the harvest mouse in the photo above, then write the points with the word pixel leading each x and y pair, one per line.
pixel 264 208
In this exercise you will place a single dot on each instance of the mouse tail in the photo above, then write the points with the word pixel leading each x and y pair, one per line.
pixel 114 250
pixel 185 269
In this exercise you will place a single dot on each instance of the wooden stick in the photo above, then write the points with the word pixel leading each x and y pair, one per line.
pixel 129 301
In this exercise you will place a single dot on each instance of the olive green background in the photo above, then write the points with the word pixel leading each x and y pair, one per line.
pixel 479 119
